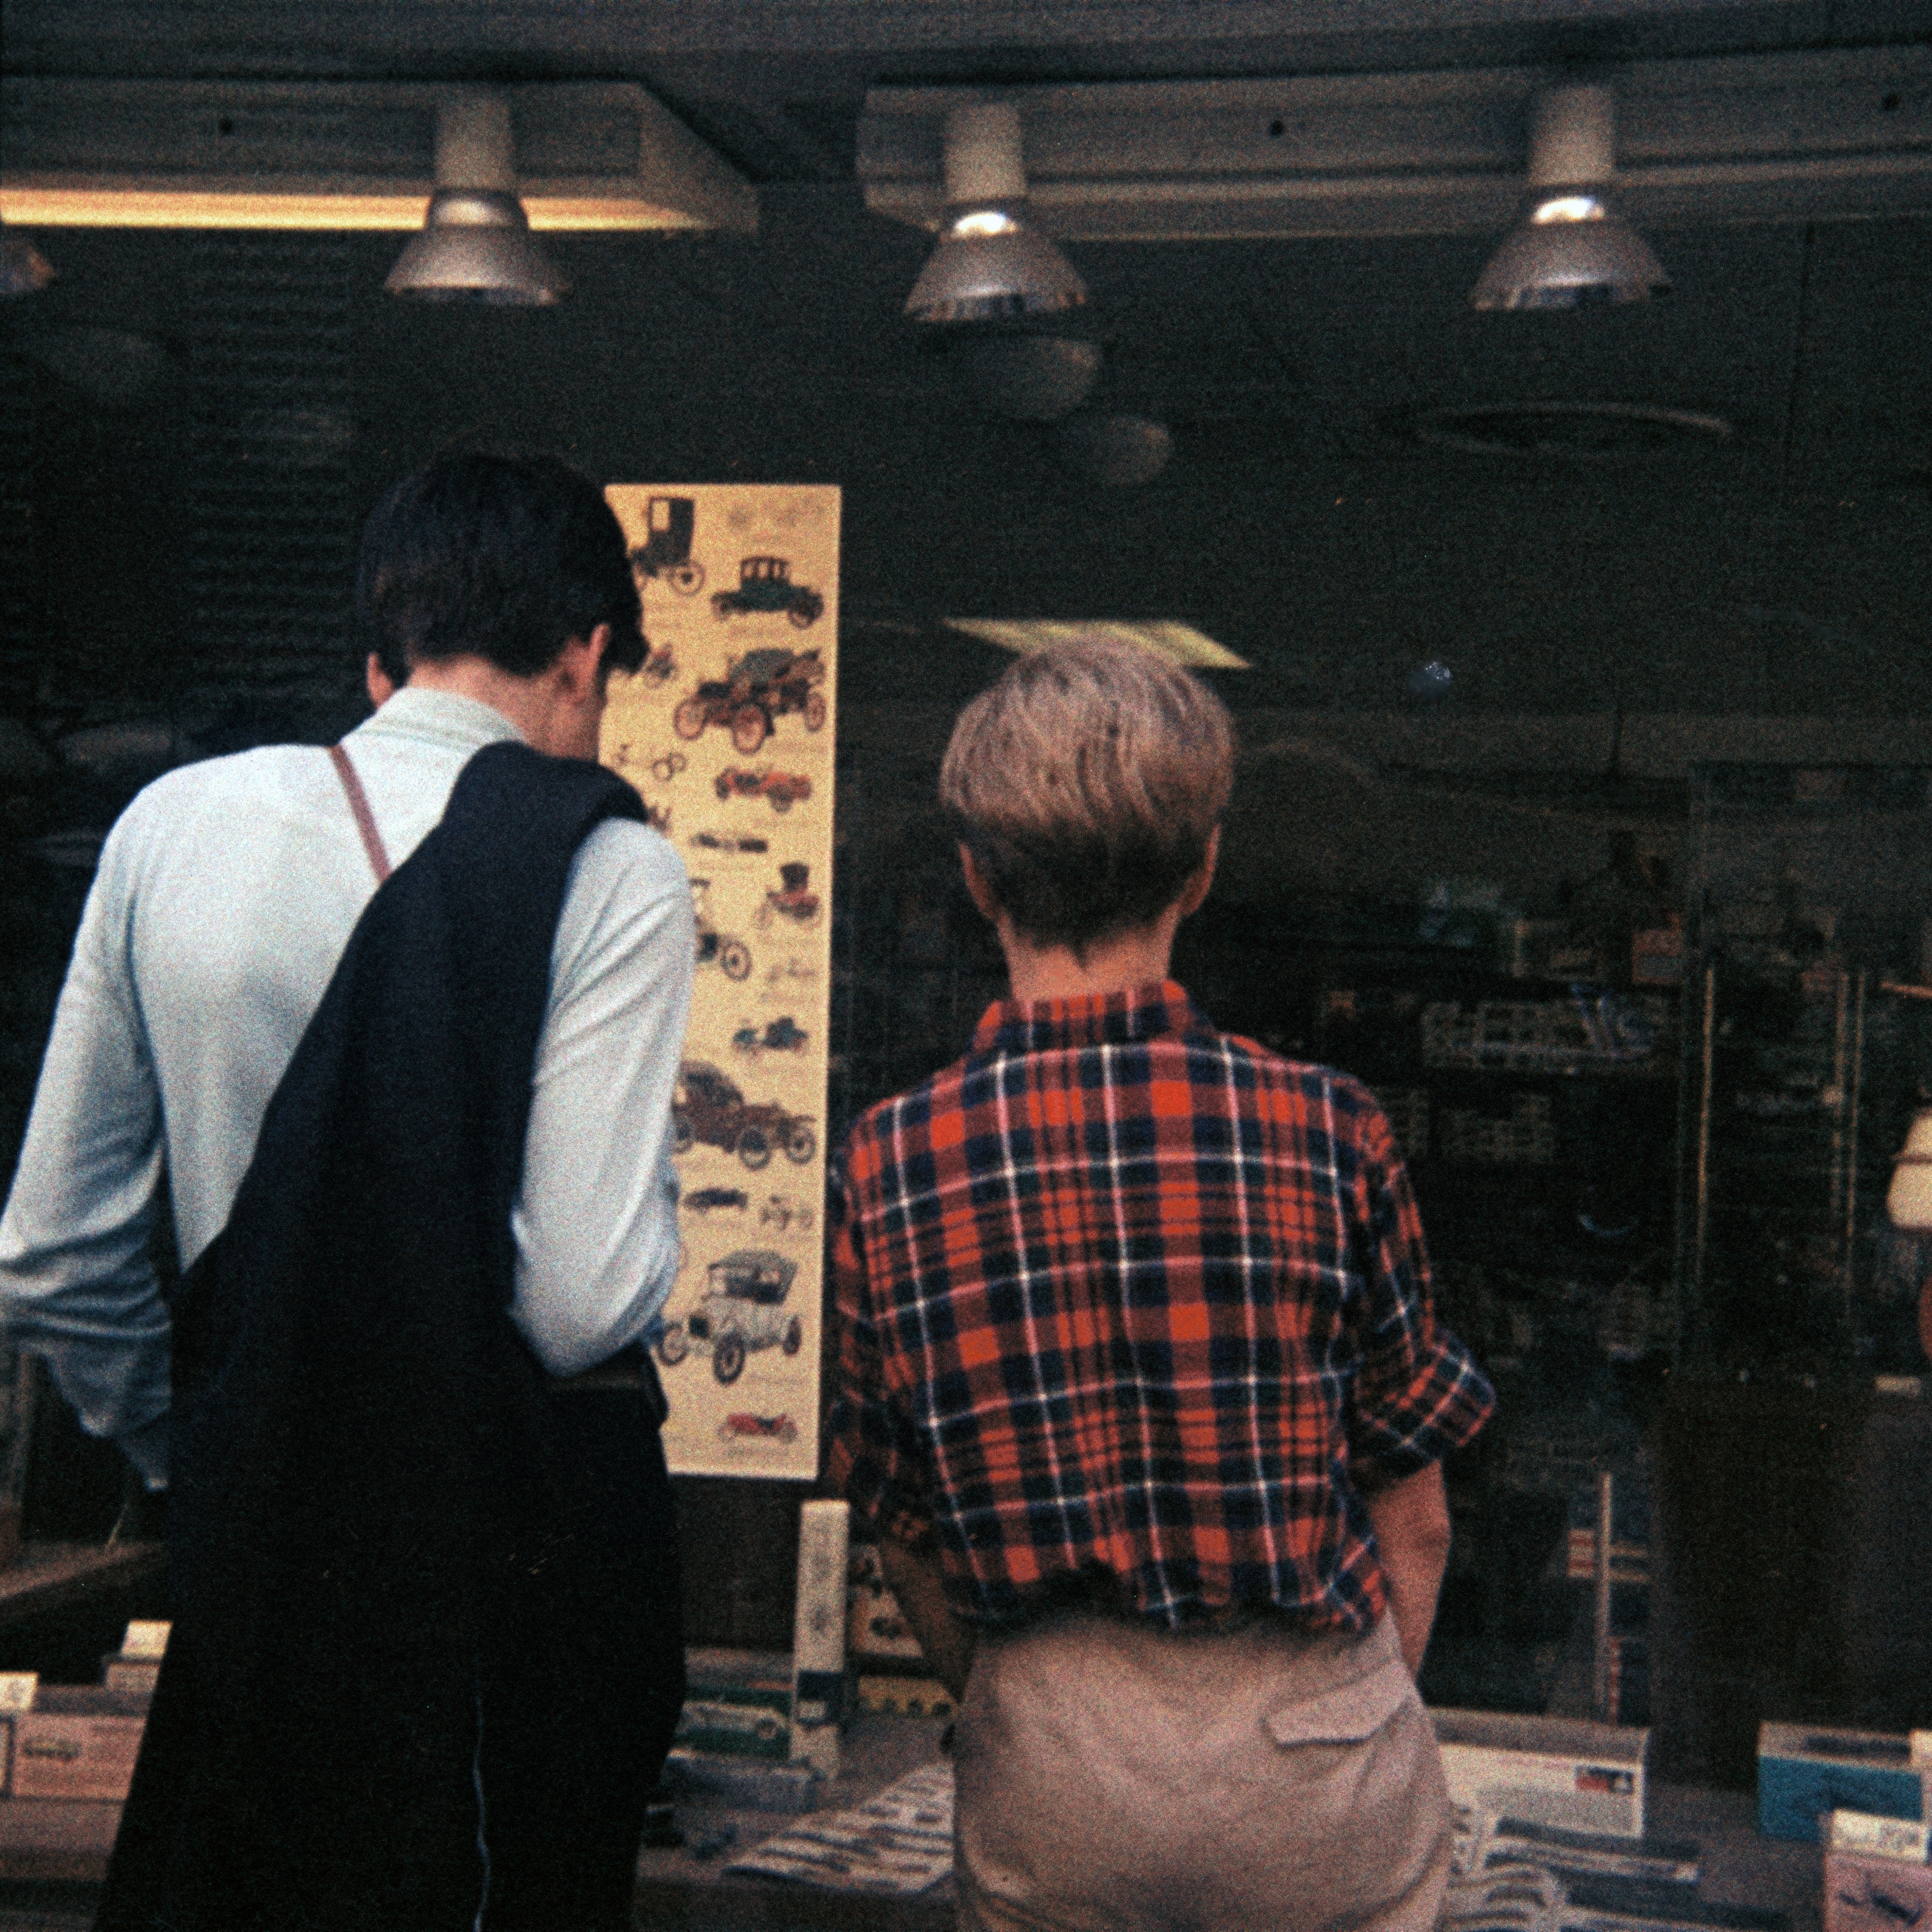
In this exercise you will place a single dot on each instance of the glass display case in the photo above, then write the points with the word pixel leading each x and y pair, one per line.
pixel 1794 1453
pixel 1656 1212
pixel 1538 1117
pixel 1810 891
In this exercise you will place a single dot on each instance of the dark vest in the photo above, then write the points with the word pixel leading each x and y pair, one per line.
pixel 373 1488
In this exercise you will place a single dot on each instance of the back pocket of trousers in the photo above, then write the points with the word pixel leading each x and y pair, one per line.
pixel 1328 1730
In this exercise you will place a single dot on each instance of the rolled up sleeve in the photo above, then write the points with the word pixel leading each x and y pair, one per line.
pixel 1418 1393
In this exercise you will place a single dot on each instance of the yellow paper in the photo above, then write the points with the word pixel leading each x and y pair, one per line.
pixel 728 732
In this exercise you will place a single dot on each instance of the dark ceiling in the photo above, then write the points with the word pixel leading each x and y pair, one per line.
pixel 778 86
pixel 1780 573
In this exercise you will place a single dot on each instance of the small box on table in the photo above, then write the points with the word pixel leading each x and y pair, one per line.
pixel 1804 1771
pixel 1565 1771
pixel 79 1741
pixel 818 1634
pixel 1876 1878
pixel 737 1703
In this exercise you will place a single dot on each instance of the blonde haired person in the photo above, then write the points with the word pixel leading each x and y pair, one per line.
pixel 1141 1387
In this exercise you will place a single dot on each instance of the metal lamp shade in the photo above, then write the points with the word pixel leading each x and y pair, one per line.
pixel 24 270
pixel 1908 1203
pixel 475 247
pixel 1004 275
pixel 1570 263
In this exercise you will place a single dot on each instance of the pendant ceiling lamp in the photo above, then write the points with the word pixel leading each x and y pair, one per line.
pixel 24 270
pixel 476 244
pixel 989 266
pixel 1570 247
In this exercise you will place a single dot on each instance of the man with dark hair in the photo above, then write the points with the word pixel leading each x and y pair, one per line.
pixel 446 569
pixel 1141 1388
pixel 426 1657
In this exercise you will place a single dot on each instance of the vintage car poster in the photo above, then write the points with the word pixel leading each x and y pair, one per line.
pixel 728 732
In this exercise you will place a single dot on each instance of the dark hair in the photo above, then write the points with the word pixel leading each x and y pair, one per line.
pixel 501 557
pixel 1086 783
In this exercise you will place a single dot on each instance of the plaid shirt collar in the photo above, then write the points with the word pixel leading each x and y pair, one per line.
pixel 1092 1019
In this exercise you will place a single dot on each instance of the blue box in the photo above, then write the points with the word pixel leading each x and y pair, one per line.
pixel 1804 1770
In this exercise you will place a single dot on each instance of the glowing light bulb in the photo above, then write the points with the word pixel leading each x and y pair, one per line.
pixel 1568 208
pixel 985 221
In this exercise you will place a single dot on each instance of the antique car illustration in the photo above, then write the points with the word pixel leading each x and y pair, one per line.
pixel 666 550
pixel 783 1035
pixel 742 1424
pixel 765 584
pixel 742 1310
pixel 782 1210
pixel 732 957
pixel 781 789
pixel 708 1111
pixel 758 689
pixel 704 1200
pixel 794 899
pixel 724 842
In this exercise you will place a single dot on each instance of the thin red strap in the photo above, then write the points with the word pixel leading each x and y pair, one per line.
pixel 365 819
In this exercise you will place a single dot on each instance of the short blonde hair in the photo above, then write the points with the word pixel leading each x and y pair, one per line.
pixel 1086 784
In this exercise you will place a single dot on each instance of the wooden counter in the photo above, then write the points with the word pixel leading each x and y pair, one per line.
pixel 50 1576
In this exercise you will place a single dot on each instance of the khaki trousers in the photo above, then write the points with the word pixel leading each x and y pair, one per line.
pixel 1115 1776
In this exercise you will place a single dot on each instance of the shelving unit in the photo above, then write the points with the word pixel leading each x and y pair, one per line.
pixel 1538 1122
pixel 1809 886
pixel 1607 1227
pixel 1795 1580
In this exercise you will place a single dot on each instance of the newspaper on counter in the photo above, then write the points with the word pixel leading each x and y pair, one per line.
pixel 1482 1842
pixel 898 1843
pixel 1576 1855
pixel 1518 1875
pixel 1517 1899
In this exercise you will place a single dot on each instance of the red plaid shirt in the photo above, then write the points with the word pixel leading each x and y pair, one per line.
pixel 1119 1294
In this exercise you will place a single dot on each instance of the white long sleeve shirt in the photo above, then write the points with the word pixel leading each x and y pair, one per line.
pixel 225 896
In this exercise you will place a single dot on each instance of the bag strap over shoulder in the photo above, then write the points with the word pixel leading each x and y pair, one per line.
pixel 365 819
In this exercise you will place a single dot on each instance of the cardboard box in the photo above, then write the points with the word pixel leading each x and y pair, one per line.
pixel 1552 1770
pixel 1871 1894
pixel 1804 1771
pixel 130 1676
pixel 906 1696
pixel 875 1626
pixel 78 1742
pixel 737 1703
pixel 132 1670
pixel 1876 1878
pixel 146 1637
pixel 818 1634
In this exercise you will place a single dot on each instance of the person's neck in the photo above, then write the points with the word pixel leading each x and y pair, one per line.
pixel 547 709
pixel 1137 958
pixel 478 679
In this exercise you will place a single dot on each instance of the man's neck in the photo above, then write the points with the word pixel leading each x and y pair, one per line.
pixel 1137 958
pixel 478 679
pixel 555 710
